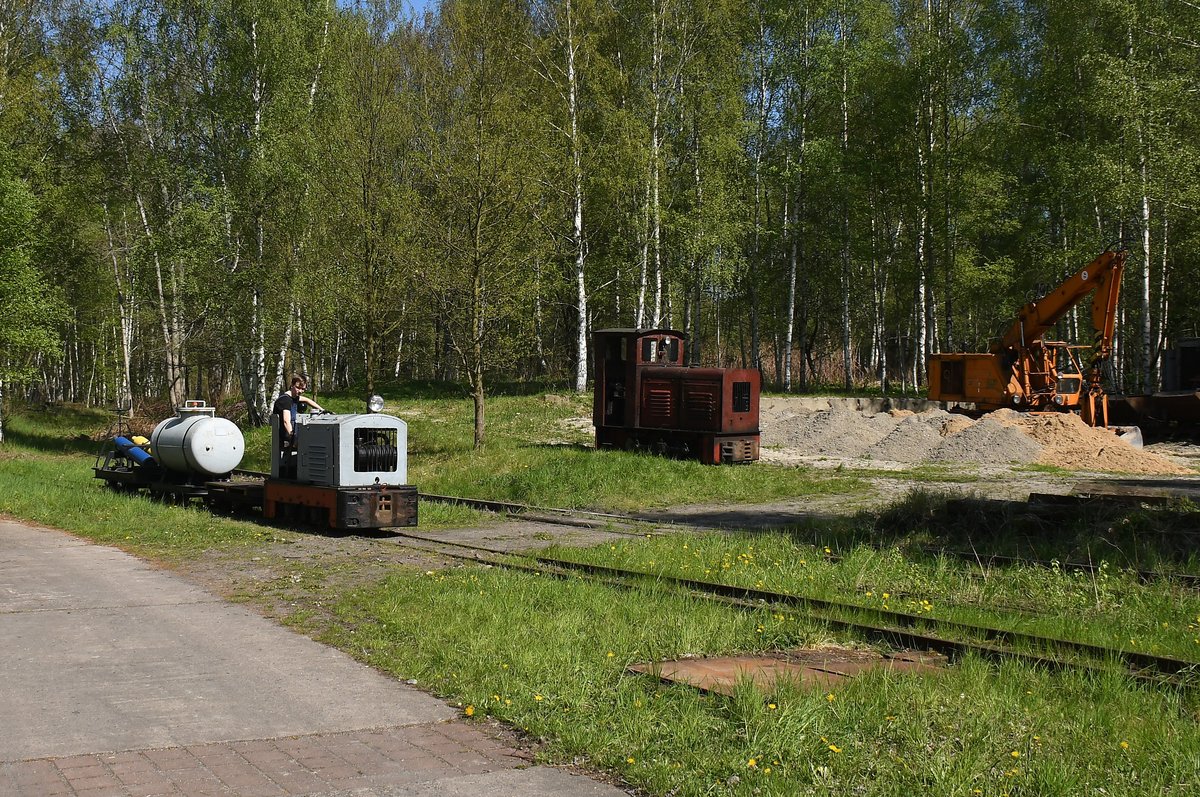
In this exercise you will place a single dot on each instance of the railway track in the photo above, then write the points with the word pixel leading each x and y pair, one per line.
pixel 641 527
pixel 894 628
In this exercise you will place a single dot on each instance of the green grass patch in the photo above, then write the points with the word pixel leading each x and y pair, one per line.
pixel 943 474
pixel 60 491
pixel 1109 608
pixel 549 657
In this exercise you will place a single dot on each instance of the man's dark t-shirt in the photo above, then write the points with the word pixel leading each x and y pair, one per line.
pixel 286 403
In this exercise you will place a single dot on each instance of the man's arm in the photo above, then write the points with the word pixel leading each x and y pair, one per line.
pixel 311 403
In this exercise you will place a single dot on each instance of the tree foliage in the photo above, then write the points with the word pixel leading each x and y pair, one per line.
pixel 832 190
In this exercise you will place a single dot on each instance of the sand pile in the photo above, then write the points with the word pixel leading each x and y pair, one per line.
pixel 835 432
pixel 999 438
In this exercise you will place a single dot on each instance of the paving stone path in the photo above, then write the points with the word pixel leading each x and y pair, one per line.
pixel 122 679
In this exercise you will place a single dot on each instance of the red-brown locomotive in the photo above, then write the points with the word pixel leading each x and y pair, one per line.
pixel 646 397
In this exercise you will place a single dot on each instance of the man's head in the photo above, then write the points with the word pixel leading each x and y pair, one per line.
pixel 299 384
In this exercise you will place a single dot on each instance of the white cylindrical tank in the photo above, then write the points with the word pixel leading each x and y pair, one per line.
pixel 198 442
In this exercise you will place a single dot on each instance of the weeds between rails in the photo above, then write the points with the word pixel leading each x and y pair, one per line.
pixel 1155 669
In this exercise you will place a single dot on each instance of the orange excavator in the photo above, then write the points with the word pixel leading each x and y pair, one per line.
pixel 1026 372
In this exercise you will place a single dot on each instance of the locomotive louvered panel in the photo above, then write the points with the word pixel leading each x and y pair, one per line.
pixel 658 403
pixel 701 405
pixel 317 458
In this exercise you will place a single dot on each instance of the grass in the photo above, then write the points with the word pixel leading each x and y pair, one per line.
pixel 550 656
pixel 1109 608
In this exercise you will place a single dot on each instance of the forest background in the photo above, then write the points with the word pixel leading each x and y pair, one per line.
pixel 198 197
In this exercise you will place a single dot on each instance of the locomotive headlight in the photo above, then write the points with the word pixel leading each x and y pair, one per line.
pixel 375 403
pixel 1059 399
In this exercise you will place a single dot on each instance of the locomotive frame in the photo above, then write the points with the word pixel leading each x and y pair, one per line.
pixel 646 398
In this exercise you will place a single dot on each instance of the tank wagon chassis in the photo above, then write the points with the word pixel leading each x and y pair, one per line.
pixel 351 469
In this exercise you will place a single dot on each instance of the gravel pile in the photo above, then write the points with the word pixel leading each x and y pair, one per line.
pixel 999 438
pixel 834 432
pixel 990 441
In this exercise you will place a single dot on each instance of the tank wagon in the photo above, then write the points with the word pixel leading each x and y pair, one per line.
pixel 345 471
pixel 646 398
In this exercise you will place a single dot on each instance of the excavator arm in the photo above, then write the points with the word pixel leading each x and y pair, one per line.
pixel 1102 275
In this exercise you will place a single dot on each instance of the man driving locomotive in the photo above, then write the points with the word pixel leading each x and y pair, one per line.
pixel 287 407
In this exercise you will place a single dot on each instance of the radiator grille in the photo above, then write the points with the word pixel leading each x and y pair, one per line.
pixel 701 403
pixel 316 458
pixel 375 450
pixel 658 404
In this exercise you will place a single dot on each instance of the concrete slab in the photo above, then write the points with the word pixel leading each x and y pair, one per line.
pixel 823 668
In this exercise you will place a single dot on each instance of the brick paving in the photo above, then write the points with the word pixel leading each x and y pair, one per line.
pixel 297 765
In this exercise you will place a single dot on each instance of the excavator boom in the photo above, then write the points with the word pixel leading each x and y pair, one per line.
pixel 1102 276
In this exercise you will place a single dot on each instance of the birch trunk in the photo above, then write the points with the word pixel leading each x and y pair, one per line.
pixel 125 318
pixel 581 301
pixel 656 90
pixel 1147 379
pixel 258 333
pixel 1163 306
pixel 789 214
pixel 921 347
pixel 167 314
pixel 761 111
pixel 846 364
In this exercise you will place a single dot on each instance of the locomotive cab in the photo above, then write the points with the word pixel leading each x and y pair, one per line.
pixel 646 398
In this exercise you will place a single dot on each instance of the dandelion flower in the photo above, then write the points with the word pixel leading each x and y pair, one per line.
pixel 834 748
pixel 1124 745
pixel 469 711
pixel 611 654
pixel 830 697
pixel 766 770
pixel 537 698
pixel 771 706
pixel 1015 754
pixel 629 760
pixel 753 762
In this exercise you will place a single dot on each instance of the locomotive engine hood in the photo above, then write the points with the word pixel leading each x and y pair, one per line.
pixel 352 450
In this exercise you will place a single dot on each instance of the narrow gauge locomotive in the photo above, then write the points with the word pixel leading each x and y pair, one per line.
pixel 346 471
pixel 645 397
